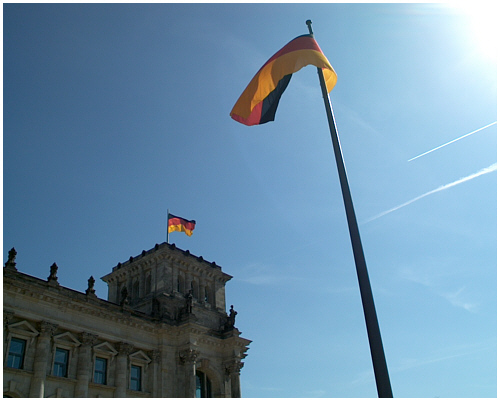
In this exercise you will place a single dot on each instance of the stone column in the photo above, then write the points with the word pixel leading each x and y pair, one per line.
pixel 155 357
pixel 121 376
pixel 37 387
pixel 170 372
pixel 7 318
pixel 188 357
pixel 233 371
pixel 84 368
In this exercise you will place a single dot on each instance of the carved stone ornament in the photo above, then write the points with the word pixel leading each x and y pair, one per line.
pixel 52 279
pixel 7 318
pixel 189 302
pixel 188 355
pixel 124 348
pixel 230 320
pixel 47 328
pixel 155 355
pixel 124 297
pixel 11 261
pixel 90 290
pixel 88 338
pixel 233 367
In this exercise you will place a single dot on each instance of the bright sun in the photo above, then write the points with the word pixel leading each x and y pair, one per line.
pixel 483 25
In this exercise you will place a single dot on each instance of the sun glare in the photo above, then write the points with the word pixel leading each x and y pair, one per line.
pixel 483 25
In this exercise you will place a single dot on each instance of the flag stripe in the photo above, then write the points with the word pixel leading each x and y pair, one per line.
pixel 259 101
pixel 181 228
pixel 179 224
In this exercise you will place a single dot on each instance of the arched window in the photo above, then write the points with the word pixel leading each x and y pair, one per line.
pixel 180 284
pixel 135 290
pixel 119 290
pixel 124 292
pixel 206 297
pixel 148 284
pixel 203 385
pixel 194 287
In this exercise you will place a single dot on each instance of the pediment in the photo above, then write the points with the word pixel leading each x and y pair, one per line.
pixel 140 356
pixel 24 328
pixel 67 339
pixel 105 348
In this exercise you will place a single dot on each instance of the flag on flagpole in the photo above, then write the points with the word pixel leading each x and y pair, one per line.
pixel 258 104
pixel 259 101
pixel 176 223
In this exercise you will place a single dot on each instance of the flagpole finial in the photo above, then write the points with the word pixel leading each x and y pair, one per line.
pixel 309 23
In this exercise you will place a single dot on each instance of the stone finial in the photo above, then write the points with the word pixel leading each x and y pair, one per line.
pixel 90 290
pixel 11 261
pixel 52 279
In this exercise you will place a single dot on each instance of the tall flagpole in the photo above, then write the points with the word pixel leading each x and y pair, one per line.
pixel 376 348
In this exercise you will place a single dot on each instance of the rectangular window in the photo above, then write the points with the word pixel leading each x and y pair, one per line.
pixel 101 367
pixel 135 378
pixel 16 353
pixel 61 362
pixel 203 385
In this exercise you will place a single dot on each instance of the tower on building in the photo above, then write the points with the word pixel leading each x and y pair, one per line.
pixel 162 332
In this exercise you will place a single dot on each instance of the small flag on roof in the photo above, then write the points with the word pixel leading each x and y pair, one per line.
pixel 176 223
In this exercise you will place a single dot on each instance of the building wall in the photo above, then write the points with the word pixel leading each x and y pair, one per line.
pixel 169 335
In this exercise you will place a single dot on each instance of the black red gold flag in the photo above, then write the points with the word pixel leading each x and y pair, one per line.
pixel 259 101
pixel 179 224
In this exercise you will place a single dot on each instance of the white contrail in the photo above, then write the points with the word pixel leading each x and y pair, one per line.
pixel 486 170
pixel 447 143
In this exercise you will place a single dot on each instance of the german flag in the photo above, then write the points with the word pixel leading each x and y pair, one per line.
pixel 179 224
pixel 259 101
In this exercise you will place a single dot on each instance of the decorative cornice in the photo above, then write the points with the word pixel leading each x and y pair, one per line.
pixel 171 253
pixel 95 307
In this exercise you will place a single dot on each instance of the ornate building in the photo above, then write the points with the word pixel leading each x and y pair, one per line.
pixel 162 332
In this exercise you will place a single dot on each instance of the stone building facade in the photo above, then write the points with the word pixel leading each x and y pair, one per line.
pixel 162 332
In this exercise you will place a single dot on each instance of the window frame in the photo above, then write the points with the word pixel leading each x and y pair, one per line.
pixel 105 372
pixel 56 363
pixel 22 356
pixel 22 330
pixel 140 360
pixel 137 380
pixel 205 389
pixel 65 341
pixel 105 351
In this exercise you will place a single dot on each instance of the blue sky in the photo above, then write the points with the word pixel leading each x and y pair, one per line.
pixel 114 113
